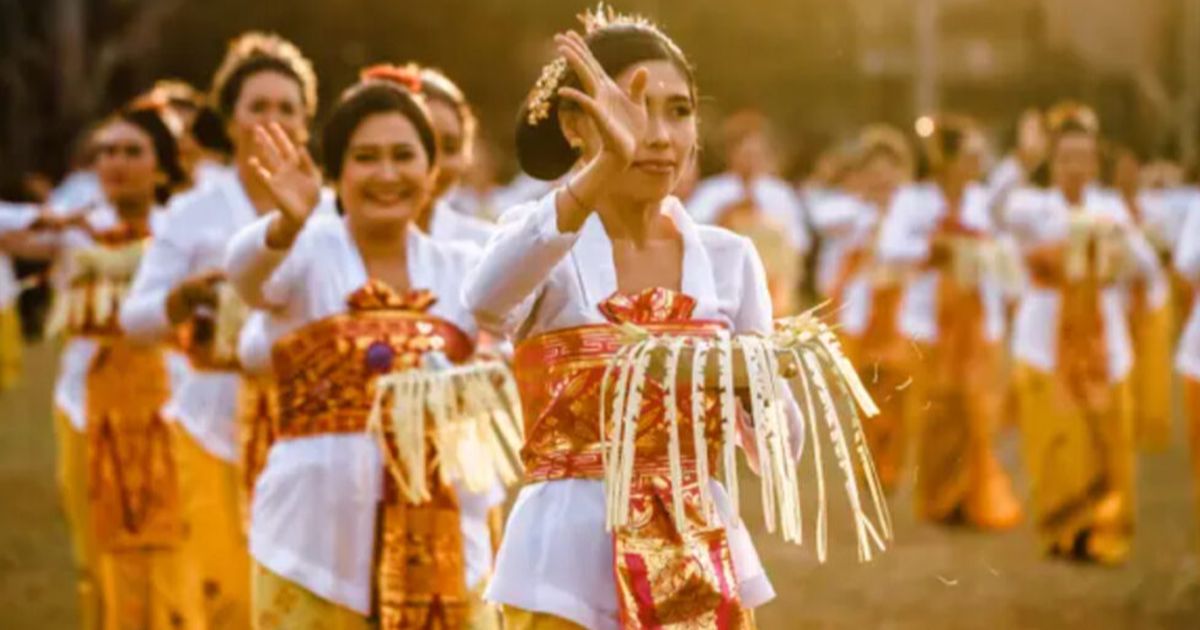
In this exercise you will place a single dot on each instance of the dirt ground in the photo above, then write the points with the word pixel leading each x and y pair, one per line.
pixel 932 578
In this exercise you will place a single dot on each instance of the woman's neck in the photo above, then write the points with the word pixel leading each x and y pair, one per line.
pixel 1073 193
pixel 633 221
pixel 135 214
pixel 953 191
pixel 384 250
pixel 258 194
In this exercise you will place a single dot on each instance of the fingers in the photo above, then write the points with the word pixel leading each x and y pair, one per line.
pixel 637 87
pixel 269 156
pixel 260 172
pixel 585 52
pixel 287 148
pixel 306 161
pixel 586 103
pixel 580 66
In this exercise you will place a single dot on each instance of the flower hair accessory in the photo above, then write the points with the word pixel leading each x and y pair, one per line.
pixel 600 18
pixel 407 76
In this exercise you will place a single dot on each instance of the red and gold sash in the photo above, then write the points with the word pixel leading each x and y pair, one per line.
pixel 666 578
pixel 326 373
pixel 133 484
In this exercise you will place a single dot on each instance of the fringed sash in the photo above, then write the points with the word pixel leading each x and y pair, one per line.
pixel 596 408
pixel 327 374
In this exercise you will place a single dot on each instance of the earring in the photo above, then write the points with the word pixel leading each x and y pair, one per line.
pixel 575 143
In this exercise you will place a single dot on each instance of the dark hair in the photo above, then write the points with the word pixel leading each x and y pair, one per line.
pixel 253 53
pixel 209 132
pixel 542 150
pixel 166 150
pixel 367 99
pixel 948 140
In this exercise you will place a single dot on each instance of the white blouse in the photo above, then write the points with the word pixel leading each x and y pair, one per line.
pixel 846 224
pixel 199 224
pixel 905 238
pixel 315 503
pixel 448 224
pixel 557 556
pixel 1038 217
pixel 1187 263
pixel 773 195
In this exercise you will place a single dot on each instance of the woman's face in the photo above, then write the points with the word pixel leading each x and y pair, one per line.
pixel 126 164
pixel 879 177
pixel 967 166
pixel 1074 162
pixel 385 177
pixel 267 97
pixel 661 158
pixel 454 148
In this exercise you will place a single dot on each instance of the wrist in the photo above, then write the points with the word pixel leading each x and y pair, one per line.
pixel 282 231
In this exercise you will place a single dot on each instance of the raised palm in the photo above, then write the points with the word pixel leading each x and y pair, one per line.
pixel 620 115
pixel 287 172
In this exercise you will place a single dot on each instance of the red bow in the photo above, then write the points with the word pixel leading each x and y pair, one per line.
pixel 651 306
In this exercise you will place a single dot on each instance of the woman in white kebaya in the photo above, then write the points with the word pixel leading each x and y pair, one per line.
pixel 344 299
pixel 615 120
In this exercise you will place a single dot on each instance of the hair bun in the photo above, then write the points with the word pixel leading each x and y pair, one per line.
pixel 408 76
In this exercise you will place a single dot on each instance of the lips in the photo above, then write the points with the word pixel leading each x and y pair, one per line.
pixel 656 167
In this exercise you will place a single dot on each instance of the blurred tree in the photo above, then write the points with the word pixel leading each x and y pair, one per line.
pixel 59 60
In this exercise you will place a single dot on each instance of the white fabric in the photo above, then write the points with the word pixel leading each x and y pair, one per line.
pixel 448 224
pixel 1042 217
pixel 844 223
pixel 199 224
pixel 905 238
pixel 771 194
pixel 13 216
pixel 1187 263
pixel 315 504
pixel 70 388
pixel 556 556
pixel 79 189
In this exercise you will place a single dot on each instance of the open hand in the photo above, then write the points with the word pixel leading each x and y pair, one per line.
pixel 287 171
pixel 620 116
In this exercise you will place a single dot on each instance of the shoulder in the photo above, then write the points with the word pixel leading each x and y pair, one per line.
pixel 727 249
pixel 1028 197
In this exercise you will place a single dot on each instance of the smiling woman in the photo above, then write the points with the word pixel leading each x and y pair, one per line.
pixel 347 299
pixel 610 250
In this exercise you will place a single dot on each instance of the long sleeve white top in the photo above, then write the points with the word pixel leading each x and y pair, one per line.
pixel 1037 218
pixel 905 239
pixel 557 556
pixel 315 503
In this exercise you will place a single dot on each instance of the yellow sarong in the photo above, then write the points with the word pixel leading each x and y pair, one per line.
pixel 1151 377
pixel 216 546
pixel 10 347
pixel 1081 465
pixel 72 485
pixel 280 604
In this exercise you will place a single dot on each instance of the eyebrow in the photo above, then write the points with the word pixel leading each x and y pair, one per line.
pixel 381 145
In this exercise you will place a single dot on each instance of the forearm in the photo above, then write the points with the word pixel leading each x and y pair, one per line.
pixel 251 260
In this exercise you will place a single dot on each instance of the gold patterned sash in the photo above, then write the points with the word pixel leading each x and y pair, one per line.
pixel 326 374
pixel 667 576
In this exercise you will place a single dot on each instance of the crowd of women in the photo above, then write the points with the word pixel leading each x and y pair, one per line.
pixel 228 306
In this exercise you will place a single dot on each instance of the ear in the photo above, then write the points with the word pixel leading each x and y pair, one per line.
pixel 572 121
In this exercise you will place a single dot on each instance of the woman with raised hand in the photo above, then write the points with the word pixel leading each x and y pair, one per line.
pixel 614 118
pixel 263 79
pixel 348 298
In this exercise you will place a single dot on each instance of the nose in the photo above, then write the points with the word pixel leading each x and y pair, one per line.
pixel 656 131
pixel 389 170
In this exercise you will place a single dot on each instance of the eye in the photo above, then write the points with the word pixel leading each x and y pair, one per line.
pixel 403 153
pixel 365 155
pixel 682 110
pixel 287 108
pixel 134 151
